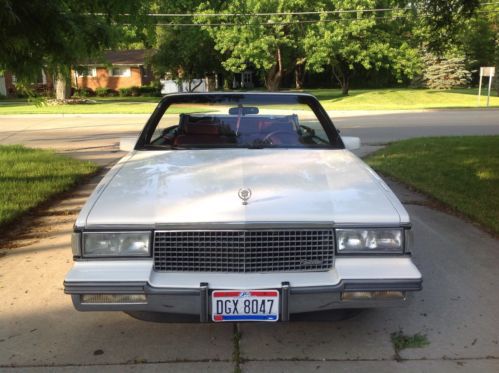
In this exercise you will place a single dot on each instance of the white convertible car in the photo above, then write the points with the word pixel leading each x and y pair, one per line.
pixel 240 207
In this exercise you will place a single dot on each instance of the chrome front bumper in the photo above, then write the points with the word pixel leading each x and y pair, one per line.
pixel 188 294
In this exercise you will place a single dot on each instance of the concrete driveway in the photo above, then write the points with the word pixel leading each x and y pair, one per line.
pixel 458 309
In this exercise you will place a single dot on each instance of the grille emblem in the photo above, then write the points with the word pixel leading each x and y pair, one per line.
pixel 244 194
pixel 311 262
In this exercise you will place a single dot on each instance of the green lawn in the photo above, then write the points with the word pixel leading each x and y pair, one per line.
pixel 29 177
pixel 401 99
pixel 362 99
pixel 127 105
pixel 462 172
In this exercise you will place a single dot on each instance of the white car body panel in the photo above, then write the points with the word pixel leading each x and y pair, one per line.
pixel 142 271
pixel 200 186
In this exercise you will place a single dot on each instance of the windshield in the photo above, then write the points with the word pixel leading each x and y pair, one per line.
pixel 246 121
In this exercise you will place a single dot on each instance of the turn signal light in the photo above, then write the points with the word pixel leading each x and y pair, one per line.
pixel 113 299
pixel 372 295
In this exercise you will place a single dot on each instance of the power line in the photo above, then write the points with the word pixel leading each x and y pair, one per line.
pixel 274 23
pixel 317 12
pixel 274 13
pixel 271 23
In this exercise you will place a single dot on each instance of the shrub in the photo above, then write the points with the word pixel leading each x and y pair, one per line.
pixel 112 93
pixel 150 90
pixel 135 91
pixel 102 92
pixel 125 92
pixel 83 92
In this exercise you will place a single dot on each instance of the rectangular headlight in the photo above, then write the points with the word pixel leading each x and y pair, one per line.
pixel 375 240
pixel 102 244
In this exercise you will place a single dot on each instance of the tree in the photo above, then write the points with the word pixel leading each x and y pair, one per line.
pixel 185 53
pixel 439 21
pixel 264 42
pixel 58 34
pixel 358 40
pixel 478 40
pixel 445 72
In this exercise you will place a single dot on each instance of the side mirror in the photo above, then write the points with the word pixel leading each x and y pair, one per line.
pixel 127 144
pixel 351 143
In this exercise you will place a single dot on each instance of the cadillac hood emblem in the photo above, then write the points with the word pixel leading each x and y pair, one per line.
pixel 244 194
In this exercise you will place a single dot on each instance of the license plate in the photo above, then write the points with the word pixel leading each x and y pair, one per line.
pixel 245 305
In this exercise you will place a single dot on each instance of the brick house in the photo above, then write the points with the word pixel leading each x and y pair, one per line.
pixel 42 84
pixel 118 69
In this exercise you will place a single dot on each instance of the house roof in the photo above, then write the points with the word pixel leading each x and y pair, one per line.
pixel 135 57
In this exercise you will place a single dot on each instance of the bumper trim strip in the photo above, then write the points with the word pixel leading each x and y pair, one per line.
pixel 143 287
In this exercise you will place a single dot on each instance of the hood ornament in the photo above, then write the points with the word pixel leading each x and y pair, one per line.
pixel 244 194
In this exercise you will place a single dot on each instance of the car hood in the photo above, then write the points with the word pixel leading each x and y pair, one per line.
pixel 201 186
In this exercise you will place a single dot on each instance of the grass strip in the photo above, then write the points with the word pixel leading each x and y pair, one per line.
pixel 331 99
pixel 461 172
pixel 402 99
pixel 29 177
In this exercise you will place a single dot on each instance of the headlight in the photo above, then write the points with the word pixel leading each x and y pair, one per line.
pixel 379 240
pixel 98 244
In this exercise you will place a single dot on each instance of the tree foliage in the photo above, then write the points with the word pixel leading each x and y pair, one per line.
pixel 359 40
pixel 439 21
pixel 267 43
pixel 185 53
pixel 57 34
pixel 478 40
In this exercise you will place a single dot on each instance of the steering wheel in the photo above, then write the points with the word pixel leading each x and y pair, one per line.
pixel 268 137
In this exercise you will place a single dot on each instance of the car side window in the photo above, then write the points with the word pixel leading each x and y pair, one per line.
pixel 313 130
pixel 165 128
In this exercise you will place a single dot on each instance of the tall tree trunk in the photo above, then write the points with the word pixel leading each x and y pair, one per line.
pixel 62 86
pixel 342 75
pixel 345 87
pixel 274 75
pixel 299 73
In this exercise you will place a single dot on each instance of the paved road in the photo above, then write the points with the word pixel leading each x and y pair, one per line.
pixel 458 309
pixel 383 128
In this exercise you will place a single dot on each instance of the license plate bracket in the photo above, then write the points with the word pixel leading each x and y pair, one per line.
pixel 245 305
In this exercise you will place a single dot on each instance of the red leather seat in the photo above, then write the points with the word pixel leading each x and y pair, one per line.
pixel 200 134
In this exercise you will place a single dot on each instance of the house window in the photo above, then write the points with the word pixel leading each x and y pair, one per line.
pixel 121 71
pixel 87 72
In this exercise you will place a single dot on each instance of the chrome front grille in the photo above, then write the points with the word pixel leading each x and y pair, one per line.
pixel 244 250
